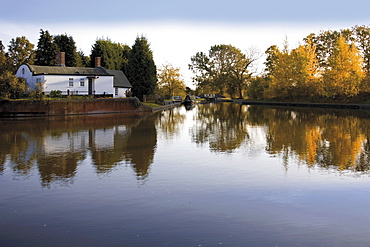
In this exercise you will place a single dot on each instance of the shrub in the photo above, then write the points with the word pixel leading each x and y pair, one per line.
pixel 55 94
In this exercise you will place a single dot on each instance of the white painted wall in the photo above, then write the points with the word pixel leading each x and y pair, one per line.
pixel 121 93
pixel 24 72
pixel 101 85
pixel 104 84
pixel 61 82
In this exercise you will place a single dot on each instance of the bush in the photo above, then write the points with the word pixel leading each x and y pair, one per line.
pixel 11 86
pixel 55 94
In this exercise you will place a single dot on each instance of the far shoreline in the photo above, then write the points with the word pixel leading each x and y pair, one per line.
pixel 305 104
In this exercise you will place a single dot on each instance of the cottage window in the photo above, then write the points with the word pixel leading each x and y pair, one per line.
pixel 23 71
pixel 38 80
pixel 70 83
pixel 82 82
pixel 116 91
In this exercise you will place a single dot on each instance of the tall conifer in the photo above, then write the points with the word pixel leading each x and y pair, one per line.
pixel 141 69
pixel 46 52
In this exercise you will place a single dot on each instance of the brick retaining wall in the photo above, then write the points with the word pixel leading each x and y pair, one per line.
pixel 70 107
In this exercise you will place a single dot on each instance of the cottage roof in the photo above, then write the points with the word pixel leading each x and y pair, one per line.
pixel 120 79
pixel 62 70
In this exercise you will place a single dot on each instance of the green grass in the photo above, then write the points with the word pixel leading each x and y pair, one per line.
pixel 152 105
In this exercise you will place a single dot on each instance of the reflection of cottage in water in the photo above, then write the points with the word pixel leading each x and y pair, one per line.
pixel 58 147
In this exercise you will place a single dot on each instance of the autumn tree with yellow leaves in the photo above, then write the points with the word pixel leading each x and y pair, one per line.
pixel 170 82
pixel 331 65
pixel 344 72
pixel 293 73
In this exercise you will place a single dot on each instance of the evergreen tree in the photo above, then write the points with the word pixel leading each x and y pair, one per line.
pixel 141 69
pixel 113 55
pixel 47 51
pixel 67 44
pixel 85 60
pixel 125 55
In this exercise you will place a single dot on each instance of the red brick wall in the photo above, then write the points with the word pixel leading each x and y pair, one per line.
pixel 69 107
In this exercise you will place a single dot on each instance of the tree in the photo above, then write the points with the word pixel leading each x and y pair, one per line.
pixel 141 69
pixel 293 74
pixel 67 44
pixel 47 51
pixel 4 61
pixel 257 87
pixel 325 42
pixel 169 80
pixel 20 51
pixel 281 70
pixel 85 60
pixel 239 65
pixel 225 68
pixel 344 72
pixel 307 71
pixel 11 86
pixel 113 55
pixel 362 35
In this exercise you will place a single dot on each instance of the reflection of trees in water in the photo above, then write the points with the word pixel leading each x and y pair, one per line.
pixel 141 146
pixel 61 168
pixel 329 138
pixel 170 122
pixel 19 147
pixel 135 145
pixel 223 126
pixel 56 146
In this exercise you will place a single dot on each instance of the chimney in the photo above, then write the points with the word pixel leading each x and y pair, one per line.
pixel 61 59
pixel 97 61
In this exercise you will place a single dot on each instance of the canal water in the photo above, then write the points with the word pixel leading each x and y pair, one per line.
pixel 214 175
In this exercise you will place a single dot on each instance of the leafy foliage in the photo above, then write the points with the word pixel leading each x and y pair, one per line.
pixel 37 93
pixel 344 72
pixel 113 55
pixel 11 87
pixel 293 73
pixel 170 82
pixel 55 94
pixel 327 66
pixel 224 69
pixel 20 51
pixel 4 60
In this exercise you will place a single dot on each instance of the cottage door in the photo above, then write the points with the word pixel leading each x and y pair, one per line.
pixel 90 87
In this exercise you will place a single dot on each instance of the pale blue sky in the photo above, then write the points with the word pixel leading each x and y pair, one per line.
pixel 177 29
pixel 194 10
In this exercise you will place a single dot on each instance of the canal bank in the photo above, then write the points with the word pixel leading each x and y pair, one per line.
pixel 22 108
pixel 25 108
pixel 300 104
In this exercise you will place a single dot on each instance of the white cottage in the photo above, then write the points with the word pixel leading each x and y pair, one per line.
pixel 96 81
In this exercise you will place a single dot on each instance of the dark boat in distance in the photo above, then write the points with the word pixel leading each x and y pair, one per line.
pixel 189 100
